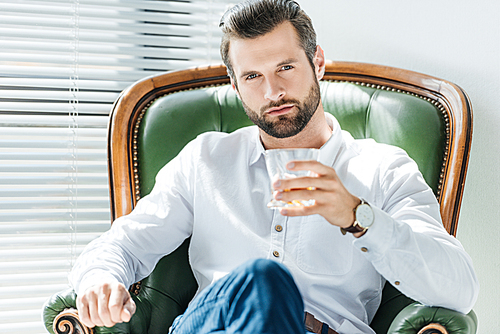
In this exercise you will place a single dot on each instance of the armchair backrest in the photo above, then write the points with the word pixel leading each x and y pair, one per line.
pixel 153 119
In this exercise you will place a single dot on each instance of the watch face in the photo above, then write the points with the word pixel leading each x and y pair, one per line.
pixel 364 215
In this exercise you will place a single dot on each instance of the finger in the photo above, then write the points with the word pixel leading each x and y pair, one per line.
pixel 312 165
pixel 128 310
pixel 103 306
pixel 121 305
pixel 93 306
pixel 321 199
pixel 292 195
pixel 307 182
pixel 117 298
pixel 83 311
pixel 301 210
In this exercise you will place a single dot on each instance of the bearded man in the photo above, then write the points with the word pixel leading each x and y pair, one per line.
pixel 261 270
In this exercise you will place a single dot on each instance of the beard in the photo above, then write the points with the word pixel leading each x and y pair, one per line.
pixel 285 126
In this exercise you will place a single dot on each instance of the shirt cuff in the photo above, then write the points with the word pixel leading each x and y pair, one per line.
pixel 91 279
pixel 377 239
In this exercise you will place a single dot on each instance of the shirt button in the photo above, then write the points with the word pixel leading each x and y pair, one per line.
pixel 364 249
pixel 278 228
pixel 276 254
pixel 397 282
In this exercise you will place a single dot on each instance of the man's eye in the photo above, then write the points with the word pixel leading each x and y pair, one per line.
pixel 286 67
pixel 251 76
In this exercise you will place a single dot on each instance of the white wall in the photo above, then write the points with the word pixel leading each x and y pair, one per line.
pixel 457 40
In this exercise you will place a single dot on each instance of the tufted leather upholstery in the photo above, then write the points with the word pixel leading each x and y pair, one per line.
pixel 364 112
pixel 154 119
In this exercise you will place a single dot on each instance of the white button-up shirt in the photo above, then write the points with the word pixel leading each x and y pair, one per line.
pixel 216 191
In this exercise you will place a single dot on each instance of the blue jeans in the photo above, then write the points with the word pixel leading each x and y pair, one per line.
pixel 259 297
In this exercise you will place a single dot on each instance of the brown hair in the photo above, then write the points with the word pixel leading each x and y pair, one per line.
pixel 254 18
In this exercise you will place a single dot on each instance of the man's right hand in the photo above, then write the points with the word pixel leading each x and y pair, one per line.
pixel 105 304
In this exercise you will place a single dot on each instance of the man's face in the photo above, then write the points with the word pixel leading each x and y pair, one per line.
pixel 275 81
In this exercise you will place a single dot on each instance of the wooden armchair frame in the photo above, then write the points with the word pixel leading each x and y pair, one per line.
pixel 450 99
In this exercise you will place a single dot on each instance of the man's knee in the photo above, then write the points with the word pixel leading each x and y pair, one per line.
pixel 265 268
pixel 269 287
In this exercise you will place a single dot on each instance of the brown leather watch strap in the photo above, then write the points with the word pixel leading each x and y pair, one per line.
pixel 354 228
pixel 315 326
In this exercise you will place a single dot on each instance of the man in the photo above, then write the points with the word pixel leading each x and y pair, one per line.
pixel 259 269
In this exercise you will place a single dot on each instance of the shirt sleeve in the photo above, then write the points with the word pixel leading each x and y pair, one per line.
pixel 133 245
pixel 408 245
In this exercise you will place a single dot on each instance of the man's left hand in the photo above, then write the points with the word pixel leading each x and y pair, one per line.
pixel 332 200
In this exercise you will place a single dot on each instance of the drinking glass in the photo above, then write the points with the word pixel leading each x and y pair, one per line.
pixel 276 161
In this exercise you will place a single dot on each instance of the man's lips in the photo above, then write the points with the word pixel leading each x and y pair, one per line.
pixel 281 110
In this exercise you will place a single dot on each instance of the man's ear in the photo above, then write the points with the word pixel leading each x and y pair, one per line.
pixel 235 88
pixel 319 62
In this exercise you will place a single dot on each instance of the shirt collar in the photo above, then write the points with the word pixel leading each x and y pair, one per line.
pixel 259 150
pixel 328 152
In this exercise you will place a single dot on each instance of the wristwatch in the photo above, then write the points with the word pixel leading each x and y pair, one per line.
pixel 364 218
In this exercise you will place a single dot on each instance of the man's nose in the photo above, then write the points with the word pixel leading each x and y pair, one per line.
pixel 274 90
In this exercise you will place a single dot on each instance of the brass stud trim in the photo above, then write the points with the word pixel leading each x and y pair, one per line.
pixel 136 288
pixel 136 129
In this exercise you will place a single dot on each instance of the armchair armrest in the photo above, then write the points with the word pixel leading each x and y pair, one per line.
pixel 419 319
pixel 60 314
pixel 61 317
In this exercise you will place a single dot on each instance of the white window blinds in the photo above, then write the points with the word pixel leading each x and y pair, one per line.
pixel 62 65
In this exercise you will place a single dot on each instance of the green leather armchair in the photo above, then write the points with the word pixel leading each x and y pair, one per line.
pixel 153 119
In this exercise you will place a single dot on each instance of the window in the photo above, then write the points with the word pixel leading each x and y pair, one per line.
pixel 62 65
